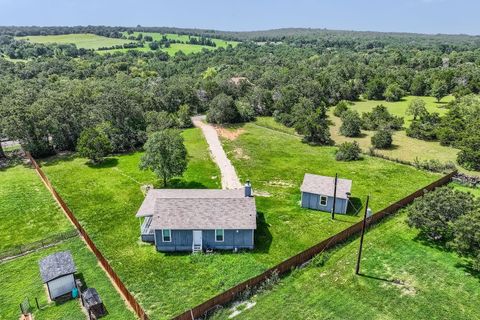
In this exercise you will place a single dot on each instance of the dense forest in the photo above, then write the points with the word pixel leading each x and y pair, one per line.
pixel 294 75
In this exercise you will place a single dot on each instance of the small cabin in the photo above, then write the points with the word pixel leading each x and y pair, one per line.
pixel 319 193
pixel 199 219
pixel 57 272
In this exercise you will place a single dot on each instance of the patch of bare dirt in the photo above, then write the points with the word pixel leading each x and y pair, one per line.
pixel 240 154
pixel 230 134
pixel 281 183
pixel 261 193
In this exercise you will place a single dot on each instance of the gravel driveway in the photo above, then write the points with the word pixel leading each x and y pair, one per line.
pixel 229 176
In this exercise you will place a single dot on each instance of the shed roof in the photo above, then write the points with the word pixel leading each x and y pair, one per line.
pixel 323 185
pixel 91 298
pixel 56 265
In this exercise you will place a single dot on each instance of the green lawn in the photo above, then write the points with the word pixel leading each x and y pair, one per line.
pixel 27 210
pixel 474 191
pixel 81 40
pixel 106 198
pixel 20 278
pixel 184 38
pixel 402 278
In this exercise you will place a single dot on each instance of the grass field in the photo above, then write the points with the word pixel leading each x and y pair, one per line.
pixel 106 198
pixel 81 40
pixel 27 211
pixel 474 191
pixel 185 38
pixel 402 278
pixel 20 278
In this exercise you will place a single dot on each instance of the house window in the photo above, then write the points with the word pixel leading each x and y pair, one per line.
pixel 167 235
pixel 323 200
pixel 219 235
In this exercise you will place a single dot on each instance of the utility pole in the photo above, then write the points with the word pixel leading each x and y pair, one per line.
pixel 334 195
pixel 357 269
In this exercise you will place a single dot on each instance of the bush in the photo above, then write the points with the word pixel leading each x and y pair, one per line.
pixel 222 110
pixel 351 124
pixel 379 117
pixel 183 114
pixel 467 237
pixel 425 128
pixel 340 108
pixel 469 156
pixel 94 144
pixel 245 110
pixel 348 151
pixel 382 139
pixel 435 212
pixel 393 92
pixel 434 165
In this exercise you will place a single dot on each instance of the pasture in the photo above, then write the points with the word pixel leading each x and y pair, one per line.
pixel 105 199
pixel 81 40
pixel 401 278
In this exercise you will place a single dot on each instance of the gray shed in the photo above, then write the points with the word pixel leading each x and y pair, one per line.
pixel 57 272
pixel 199 219
pixel 318 193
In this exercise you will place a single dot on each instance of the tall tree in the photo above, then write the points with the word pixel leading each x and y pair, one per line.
pixel 312 122
pixel 416 108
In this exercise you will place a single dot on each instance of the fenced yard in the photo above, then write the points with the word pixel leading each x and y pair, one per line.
pixel 105 198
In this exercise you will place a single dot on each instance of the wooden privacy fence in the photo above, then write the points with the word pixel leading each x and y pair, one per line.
pixel 231 294
pixel 119 284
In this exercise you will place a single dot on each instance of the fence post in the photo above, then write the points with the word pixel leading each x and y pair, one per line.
pixel 357 269
pixel 36 302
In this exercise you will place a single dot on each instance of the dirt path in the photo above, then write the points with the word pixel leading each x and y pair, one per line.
pixel 229 176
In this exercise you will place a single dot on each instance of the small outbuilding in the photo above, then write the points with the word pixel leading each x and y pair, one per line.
pixel 93 304
pixel 319 192
pixel 57 272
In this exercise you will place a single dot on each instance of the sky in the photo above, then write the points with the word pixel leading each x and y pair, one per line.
pixel 420 16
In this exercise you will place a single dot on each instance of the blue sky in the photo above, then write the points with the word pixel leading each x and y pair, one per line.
pixel 424 16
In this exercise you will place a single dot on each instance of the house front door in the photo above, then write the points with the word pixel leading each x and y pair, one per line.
pixel 197 237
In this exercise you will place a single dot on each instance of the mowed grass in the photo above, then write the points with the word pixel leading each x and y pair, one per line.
pixel 402 278
pixel 81 40
pixel 28 212
pixel 106 198
pixel 20 279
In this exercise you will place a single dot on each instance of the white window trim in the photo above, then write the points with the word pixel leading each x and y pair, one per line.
pixel 223 235
pixel 320 201
pixel 163 237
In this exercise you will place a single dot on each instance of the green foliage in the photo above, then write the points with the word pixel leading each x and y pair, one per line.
pixel 382 139
pixel 165 154
pixel 245 110
pixel 351 124
pixel 417 108
pixel 184 119
pixel 340 108
pixel 439 89
pixel 158 121
pixel 311 122
pixel 467 236
pixel 223 110
pixel 434 165
pixel 435 212
pixel 94 144
pixel 393 92
pixel 469 155
pixel 424 128
pixel 379 118
pixel 348 151
pixel 375 89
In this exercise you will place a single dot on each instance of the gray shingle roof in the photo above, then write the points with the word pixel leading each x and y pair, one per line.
pixel 323 185
pixel 56 265
pixel 186 209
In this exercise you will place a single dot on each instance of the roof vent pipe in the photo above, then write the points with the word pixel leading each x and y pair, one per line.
pixel 248 189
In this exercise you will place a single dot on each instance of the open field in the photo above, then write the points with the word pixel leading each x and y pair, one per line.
pixel 474 191
pixel 27 211
pixel 20 278
pixel 185 38
pixel 402 278
pixel 81 40
pixel 105 199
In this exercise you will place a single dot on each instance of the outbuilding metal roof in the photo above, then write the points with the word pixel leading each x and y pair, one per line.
pixel 186 209
pixel 324 186
pixel 56 265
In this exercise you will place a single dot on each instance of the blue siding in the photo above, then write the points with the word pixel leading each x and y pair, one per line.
pixel 182 240
pixel 312 201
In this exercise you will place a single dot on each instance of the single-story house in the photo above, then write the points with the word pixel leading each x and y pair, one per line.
pixel 57 272
pixel 199 219
pixel 318 193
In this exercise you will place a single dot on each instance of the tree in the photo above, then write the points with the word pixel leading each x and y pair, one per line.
pixel 435 212
pixel 416 108
pixel 311 122
pixel 467 236
pixel 382 139
pixel 439 89
pixel 154 45
pixel 183 115
pixel 223 110
pixel 245 110
pixel 379 117
pixel 158 121
pixel 469 155
pixel 165 154
pixel 348 151
pixel 424 128
pixel 393 92
pixel 375 89
pixel 340 108
pixel 351 124
pixel 94 144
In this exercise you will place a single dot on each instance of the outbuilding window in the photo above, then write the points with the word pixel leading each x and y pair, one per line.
pixel 219 235
pixel 323 200
pixel 167 235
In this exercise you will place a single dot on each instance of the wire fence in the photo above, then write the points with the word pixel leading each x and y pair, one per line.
pixel 115 278
pixel 203 309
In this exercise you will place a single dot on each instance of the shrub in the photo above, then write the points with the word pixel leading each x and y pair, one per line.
pixel 340 108
pixel 351 124
pixel 425 128
pixel 467 237
pixel 435 212
pixel 382 139
pixel 245 110
pixel 469 156
pixel 379 117
pixel 94 144
pixel 348 151
pixel 183 114
pixel 393 92
pixel 222 110
pixel 434 165
pixel 417 108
